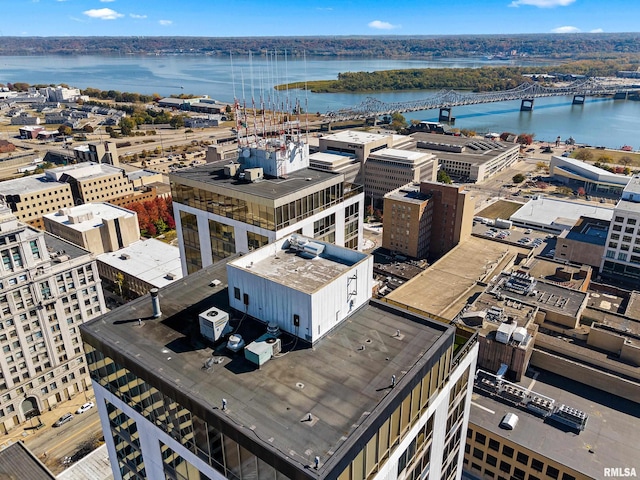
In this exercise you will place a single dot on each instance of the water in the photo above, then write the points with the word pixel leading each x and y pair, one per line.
pixel 597 122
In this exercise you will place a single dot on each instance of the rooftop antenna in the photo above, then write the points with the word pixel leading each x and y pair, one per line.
pixel 306 97
pixel 236 104
pixel 253 103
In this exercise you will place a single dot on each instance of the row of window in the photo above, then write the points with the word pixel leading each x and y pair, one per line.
pixel 503 452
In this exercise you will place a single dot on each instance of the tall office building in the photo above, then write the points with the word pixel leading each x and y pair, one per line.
pixel 48 287
pixel 331 384
pixel 452 216
pixel 224 209
pixel 622 251
pixel 426 220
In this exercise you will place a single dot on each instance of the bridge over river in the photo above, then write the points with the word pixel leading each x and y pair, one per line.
pixel 445 100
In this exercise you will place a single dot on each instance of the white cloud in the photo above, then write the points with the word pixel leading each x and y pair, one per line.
pixel 138 17
pixel 103 13
pixel 566 29
pixel 596 30
pixel 165 23
pixel 542 3
pixel 380 25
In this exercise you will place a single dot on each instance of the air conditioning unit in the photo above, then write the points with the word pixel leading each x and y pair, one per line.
pixel 214 324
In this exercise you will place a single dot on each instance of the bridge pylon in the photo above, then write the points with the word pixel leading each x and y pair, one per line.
pixel 578 99
pixel 526 105
pixel 620 95
pixel 445 115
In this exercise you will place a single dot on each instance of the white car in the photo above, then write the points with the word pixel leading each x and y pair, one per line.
pixel 84 407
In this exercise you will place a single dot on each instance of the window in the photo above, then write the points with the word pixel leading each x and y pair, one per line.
pixel 478 453
pixel 494 445
pixel 491 460
pixel 552 472
pixel 566 476
pixel 536 465
pixel 522 458
pixel 505 467
pixel 480 438
pixel 508 451
pixel 236 293
pixel 519 474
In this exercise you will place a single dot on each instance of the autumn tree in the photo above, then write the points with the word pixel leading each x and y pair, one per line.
pixel 583 154
pixel 65 130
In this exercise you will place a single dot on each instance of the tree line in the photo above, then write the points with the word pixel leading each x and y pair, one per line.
pixel 540 45
pixel 485 79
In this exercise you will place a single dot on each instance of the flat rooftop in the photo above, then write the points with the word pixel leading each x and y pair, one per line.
pixel 408 194
pixel 149 260
pixel 83 171
pixel 611 431
pixel 340 384
pixel 332 158
pixel 26 185
pixel 589 230
pixel 299 272
pixel 548 297
pixel 98 211
pixel 355 136
pixel 558 214
pixel 56 244
pixel 401 156
pixel 475 151
pixel 445 287
pixel 269 188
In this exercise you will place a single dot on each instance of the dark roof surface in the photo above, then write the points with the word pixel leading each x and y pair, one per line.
pixel 270 188
pixel 611 431
pixel 17 462
pixel 343 381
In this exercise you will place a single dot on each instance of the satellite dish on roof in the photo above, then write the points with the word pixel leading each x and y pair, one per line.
pixel 246 153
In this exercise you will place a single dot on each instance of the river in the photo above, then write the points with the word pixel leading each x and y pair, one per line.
pixel 597 122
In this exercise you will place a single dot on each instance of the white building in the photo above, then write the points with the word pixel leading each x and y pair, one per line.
pixel 48 287
pixel 622 250
pixel 144 265
pixel 304 293
pixel 224 209
pixel 380 394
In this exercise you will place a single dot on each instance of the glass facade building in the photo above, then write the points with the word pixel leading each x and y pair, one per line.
pixel 334 411
pixel 217 217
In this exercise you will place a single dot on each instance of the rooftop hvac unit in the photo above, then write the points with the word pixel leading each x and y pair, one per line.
pixel 231 169
pixel 261 351
pixel 214 324
pixel 520 334
pixel 253 174
pixel 313 248
pixel 504 332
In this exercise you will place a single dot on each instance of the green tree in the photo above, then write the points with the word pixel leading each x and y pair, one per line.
pixel 177 121
pixel 443 177
pixel 127 125
pixel 583 154
pixel 518 178
pixel 398 122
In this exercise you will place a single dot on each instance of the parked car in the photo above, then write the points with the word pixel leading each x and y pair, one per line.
pixel 84 407
pixel 67 417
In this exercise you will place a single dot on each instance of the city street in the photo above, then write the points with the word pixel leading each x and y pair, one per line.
pixel 52 444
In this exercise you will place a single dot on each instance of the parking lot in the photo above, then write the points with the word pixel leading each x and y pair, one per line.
pixel 543 243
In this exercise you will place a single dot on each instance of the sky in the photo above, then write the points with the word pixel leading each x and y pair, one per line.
pixel 240 18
